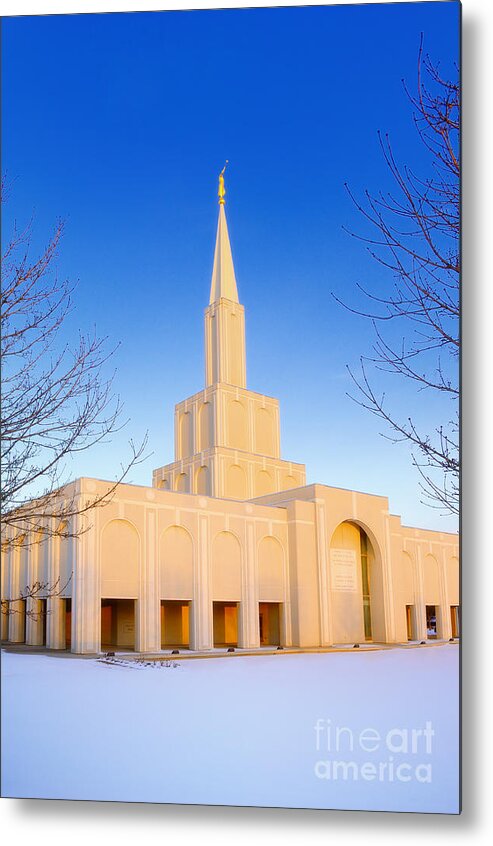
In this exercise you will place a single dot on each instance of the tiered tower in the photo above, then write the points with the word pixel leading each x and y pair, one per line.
pixel 227 438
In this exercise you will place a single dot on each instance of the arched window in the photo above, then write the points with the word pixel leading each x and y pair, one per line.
pixel 176 564
pixel 205 426
pixel 226 568
pixel 237 426
pixel 120 561
pixel 202 481
pixel 264 484
pixel 236 485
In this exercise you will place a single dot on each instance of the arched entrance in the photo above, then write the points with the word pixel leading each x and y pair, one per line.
pixel 356 585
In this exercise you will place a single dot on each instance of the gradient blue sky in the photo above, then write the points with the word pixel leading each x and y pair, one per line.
pixel 119 123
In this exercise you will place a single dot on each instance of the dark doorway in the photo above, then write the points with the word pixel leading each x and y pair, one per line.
pixel 175 624
pixel 117 624
pixel 44 617
pixel 21 610
pixel 68 623
pixel 431 622
pixel 225 623
pixel 410 622
pixel 455 620
pixel 269 614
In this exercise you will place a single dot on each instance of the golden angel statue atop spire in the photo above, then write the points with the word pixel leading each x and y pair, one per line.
pixel 221 193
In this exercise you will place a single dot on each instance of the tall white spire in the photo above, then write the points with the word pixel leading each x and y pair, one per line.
pixel 223 284
pixel 225 354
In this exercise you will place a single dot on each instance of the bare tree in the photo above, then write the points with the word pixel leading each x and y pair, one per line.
pixel 38 590
pixel 56 400
pixel 416 241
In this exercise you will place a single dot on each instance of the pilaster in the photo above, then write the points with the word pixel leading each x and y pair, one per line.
pixel 148 626
pixel 324 590
pixel 445 621
pixel 17 630
pixel 421 632
pixel 201 620
pixel 248 628
pixel 86 603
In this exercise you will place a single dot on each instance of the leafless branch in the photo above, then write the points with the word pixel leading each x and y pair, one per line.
pixel 56 397
pixel 38 590
pixel 414 236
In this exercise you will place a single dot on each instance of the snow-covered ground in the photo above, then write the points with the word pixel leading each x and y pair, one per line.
pixel 371 730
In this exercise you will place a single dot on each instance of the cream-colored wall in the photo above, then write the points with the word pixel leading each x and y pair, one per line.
pixel 389 540
pixel 303 570
pixel 227 416
pixel 225 359
pixel 230 474
pixel 150 546
pixel 176 564
pixel 432 558
pixel 120 560
pixel 217 562
pixel 347 605
pixel 271 570
pixel 227 444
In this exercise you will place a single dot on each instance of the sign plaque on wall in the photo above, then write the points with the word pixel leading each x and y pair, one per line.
pixel 344 574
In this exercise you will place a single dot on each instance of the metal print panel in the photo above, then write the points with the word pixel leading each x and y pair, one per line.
pixel 217 226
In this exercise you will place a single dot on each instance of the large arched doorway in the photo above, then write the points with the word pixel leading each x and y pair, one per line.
pixel 356 586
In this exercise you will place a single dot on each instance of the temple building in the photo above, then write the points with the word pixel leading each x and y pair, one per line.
pixel 230 547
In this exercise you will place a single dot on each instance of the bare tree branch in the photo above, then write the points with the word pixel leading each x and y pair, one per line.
pixel 56 400
pixel 38 590
pixel 416 239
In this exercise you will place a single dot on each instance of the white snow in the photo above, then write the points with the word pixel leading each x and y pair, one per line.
pixel 237 730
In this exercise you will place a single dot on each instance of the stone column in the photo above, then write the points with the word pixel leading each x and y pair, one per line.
pixel 421 633
pixel 445 621
pixel 35 622
pixel 388 584
pixel 201 616
pixel 5 621
pixel 286 617
pixel 34 605
pixel 54 606
pixel 5 574
pixel 55 623
pixel 86 597
pixel 17 619
pixel 248 624
pixel 324 587
pixel 147 621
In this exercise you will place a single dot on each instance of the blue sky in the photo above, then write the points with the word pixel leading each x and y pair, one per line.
pixel 119 123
